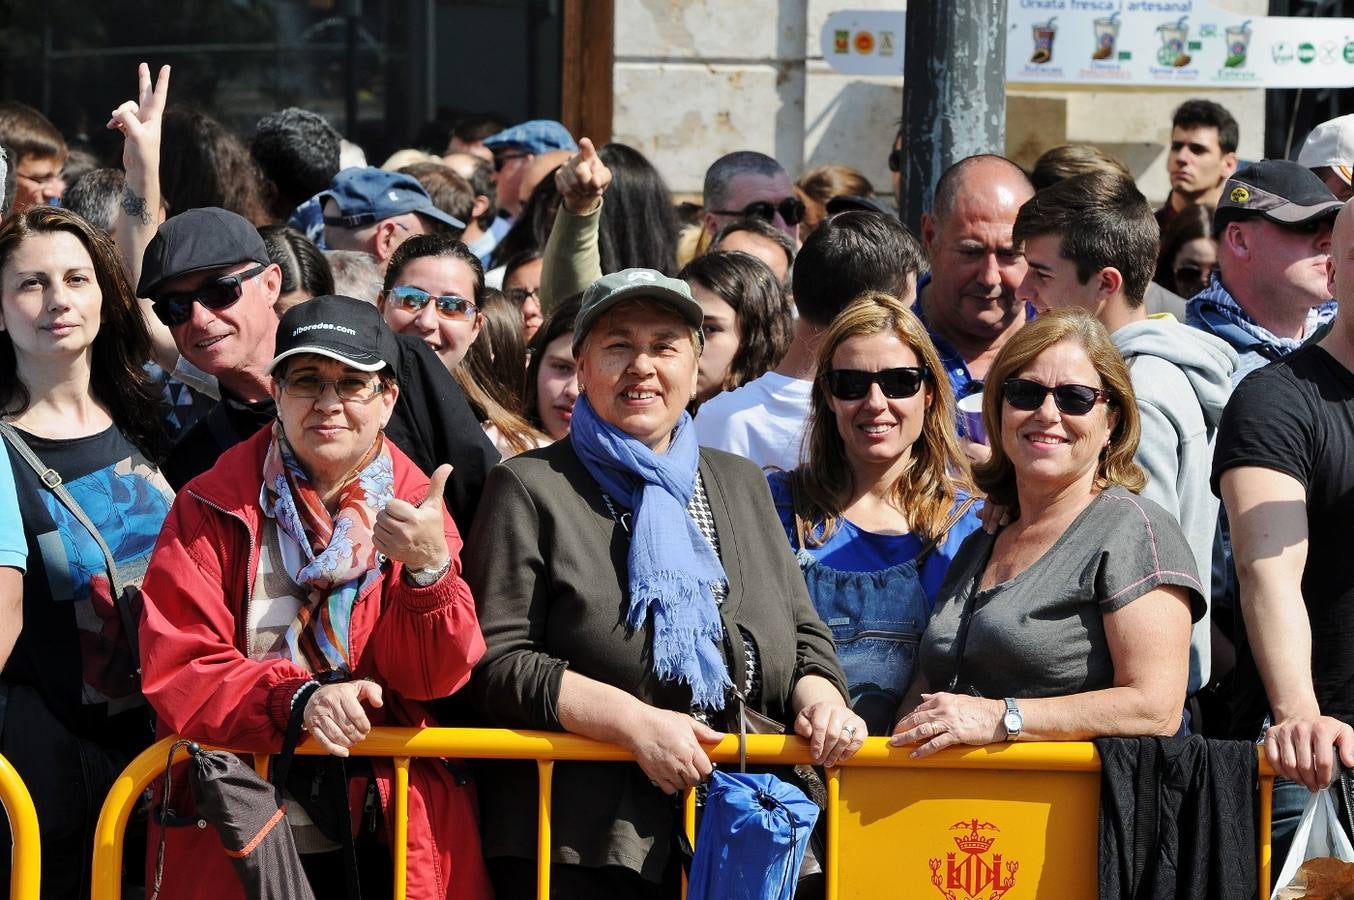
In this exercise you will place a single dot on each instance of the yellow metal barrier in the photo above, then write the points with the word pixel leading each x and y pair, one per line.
pixel 25 857
pixel 1010 820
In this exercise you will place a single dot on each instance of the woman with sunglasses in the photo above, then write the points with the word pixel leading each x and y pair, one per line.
pixel 312 578
pixel 78 404
pixel 1073 621
pixel 434 290
pixel 880 504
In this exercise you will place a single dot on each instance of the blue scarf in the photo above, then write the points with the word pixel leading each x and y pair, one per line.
pixel 1216 305
pixel 671 571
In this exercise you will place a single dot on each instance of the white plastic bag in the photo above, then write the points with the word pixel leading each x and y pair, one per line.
pixel 1319 834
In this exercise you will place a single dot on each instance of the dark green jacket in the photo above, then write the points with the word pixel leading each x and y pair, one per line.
pixel 547 564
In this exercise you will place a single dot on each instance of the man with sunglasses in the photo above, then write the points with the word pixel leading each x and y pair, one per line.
pixel 1268 294
pixel 751 185
pixel 372 210
pixel 208 275
pixel 1090 242
pixel 514 149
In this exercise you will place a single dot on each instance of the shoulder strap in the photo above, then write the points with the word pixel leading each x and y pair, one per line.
pixel 953 520
pixel 51 479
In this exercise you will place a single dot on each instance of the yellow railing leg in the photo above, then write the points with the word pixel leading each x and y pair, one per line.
pixel 545 771
pixel 26 853
pixel 401 849
pixel 688 825
pixel 834 791
pixel 1266 828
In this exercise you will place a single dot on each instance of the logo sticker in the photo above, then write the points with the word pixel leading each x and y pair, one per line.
pixel 864 43
pixel 975 870
pixel 1239 195
pixel 640 276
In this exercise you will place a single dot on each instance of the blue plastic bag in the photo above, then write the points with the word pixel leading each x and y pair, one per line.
pixel 752 838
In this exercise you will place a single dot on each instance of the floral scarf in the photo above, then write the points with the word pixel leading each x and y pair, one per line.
pixel 339 548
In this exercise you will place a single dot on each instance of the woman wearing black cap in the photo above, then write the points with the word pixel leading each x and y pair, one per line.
pixel 314 572
pixel 78 408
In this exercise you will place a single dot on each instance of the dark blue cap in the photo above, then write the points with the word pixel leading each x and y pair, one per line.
pixel 366 195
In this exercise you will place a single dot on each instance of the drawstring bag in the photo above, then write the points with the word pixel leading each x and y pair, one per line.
pixel 1319 834
pixel 752 840
pixel 251 818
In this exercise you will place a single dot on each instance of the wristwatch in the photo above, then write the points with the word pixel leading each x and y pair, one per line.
pixel 1013 720
pixel 427 577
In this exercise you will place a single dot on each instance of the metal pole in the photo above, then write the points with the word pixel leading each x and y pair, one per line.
pixel 954 92
pixel 351 11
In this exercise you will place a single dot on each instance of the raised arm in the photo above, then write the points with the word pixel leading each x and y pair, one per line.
pixel 139 211
pixel 1268 514
pixel 573 259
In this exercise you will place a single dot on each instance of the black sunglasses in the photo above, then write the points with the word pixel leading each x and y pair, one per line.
pixel 1072 399
pixel 175 309
pixel 502 159
pixel 854 384
pixel 791 209
pixel 895 159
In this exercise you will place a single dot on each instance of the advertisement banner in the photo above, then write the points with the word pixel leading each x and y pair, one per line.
pixel 1165 43
pixel 864 42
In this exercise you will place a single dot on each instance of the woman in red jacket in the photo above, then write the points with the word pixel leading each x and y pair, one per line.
pixel 306 570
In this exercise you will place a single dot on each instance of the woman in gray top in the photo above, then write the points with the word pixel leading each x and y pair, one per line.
pixel 628 583
pixel 1073 621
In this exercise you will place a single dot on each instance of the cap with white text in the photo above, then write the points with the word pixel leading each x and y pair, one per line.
pixel 342 328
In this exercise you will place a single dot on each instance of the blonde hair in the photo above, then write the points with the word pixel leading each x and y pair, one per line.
pixel 997 476
pixel 927 489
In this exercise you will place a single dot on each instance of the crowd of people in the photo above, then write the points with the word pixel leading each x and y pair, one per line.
pixel 497 434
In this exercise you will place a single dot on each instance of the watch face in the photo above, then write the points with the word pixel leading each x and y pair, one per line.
pixel 1013 721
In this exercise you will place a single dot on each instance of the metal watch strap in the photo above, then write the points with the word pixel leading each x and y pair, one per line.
pixel 427 577
pixel 1012 710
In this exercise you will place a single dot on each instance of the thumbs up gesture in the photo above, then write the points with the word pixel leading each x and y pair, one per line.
pixel 583 179
pixel 415 535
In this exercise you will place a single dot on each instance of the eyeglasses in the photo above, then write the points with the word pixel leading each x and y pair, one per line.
pixel 1072 399
pixel 520 295
pixel 896 159
pixel 449 306
pixel 175 309
pixel 351 388
pixel 502 159
pixel 854 384
pixel 791 209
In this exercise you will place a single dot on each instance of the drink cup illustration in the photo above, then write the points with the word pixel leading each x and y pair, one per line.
pixel 1238 40
pixel 1106 37
pixel 1174 40
pixel 1043 42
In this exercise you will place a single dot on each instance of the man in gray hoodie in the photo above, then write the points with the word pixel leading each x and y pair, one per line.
pixel 1090 242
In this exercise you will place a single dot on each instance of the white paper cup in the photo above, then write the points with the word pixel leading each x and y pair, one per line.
pixel 971 413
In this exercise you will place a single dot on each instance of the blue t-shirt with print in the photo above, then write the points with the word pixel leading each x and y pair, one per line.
pixel 853 549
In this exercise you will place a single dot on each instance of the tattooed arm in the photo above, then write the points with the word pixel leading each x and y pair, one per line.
pixel 140 210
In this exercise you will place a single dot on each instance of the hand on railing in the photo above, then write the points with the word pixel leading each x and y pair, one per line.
pixel 334 715
pixel 668 747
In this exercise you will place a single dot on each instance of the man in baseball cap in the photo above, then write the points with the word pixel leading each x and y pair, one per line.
pixel 514 149
pixel 1329 152
pixel 208 275
pixel 374 211
pixel 1273 228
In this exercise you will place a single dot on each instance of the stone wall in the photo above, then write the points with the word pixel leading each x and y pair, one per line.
pixel 695 79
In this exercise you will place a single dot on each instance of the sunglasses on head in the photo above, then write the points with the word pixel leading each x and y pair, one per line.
pixel 854 384
pixel 449 306
pixel 1072 399
pixel 791 209
pixel 175 309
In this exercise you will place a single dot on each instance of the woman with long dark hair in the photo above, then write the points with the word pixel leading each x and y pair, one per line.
pixel 76 401
pixel 748 324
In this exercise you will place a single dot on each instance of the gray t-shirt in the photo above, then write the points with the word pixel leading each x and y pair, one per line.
pixel 1041 634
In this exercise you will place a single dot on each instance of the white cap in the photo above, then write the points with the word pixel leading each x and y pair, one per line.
pixel 1331 144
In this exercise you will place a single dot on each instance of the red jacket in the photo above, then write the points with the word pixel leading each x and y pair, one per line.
pixel 418 643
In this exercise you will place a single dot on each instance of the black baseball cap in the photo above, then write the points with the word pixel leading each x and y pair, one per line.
pixel 342 328
pixel 196 240
pixel 1283 192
